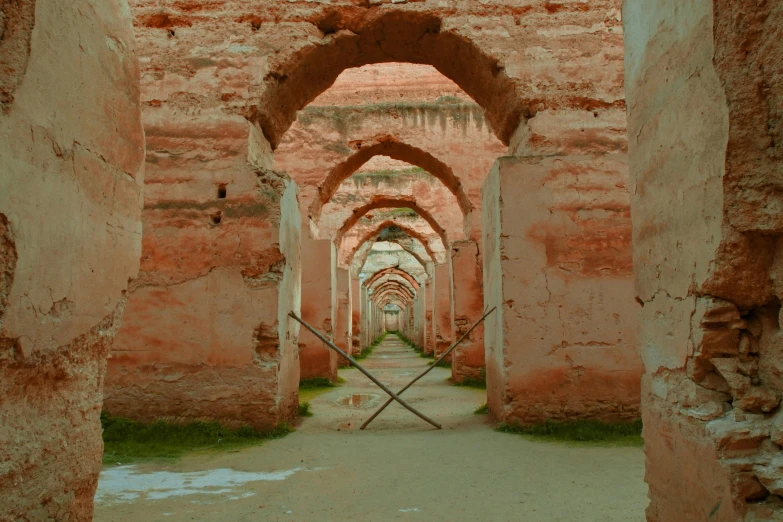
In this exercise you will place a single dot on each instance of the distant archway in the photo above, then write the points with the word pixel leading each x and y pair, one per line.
pixel 386 224
pixel 384 202
pixel 392 148
pixel 392 270
pixel 362 36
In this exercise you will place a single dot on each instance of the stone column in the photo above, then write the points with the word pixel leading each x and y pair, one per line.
pixel 444 308
pixel 705 105
pixel 355 320
pixel 342 336
pixel 431 327
pixel 562 343
pixel 315 359
pixel 71 177
pixel 421 316
pixel 468 358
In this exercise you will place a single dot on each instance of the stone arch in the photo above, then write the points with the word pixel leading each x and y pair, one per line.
pixel 394 278
pixel 384 202
pixel 387 290
pixel 408 251
pixel 392 270
pixel 377 34
pixel 17 20
pixel 390 147
pixel 394 286
pixel 408 230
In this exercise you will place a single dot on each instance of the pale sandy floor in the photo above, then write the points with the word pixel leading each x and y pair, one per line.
pixel 400 468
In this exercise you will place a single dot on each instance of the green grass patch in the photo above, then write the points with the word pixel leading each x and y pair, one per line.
pixel 126 441
pixel 304 409
pixel 482 410
pixel 440 364
pixel 318 382
pixel 367 351
pixel 478 384
pixel 583 431
pixel 418 349
pixel 311 388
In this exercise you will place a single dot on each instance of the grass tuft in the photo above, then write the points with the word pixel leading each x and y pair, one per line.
pixel 418 349
pixel 367 351
pixel 126 441
pixel 304 409
pixel 582 431
pixel 440 364
pixel 482 410
pixel 479 384
pixel 318 382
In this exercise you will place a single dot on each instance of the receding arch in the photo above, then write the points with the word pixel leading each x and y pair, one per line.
pixel 408 230
pixel 397 286
pixel 404 249
pixel 394 278
pixel 378 34
pixel 393 285
pixel 390 147
pixel 397 291
pixel 395 300
pixel 392 270
pixel 384 202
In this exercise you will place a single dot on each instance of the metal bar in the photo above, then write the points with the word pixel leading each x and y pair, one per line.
pixel 429 369
pixel 365 372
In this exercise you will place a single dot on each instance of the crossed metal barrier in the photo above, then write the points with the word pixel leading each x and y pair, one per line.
pixel 393 396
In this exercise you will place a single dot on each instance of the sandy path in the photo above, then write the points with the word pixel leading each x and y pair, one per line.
pixel 400 468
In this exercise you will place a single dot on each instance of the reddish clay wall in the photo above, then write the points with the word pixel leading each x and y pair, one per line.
pixel 206 333
pixel 468 358
pixel 558 267
pixel 342 337
pixel 444 308
pixel 315 359
pixel 71 150
pixel 705 102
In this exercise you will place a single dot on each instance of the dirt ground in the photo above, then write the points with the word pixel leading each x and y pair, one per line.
pixel 400 468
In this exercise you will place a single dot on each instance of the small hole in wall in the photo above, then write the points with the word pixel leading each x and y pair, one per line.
pixel 221 191
pixel 172 34
pixel 216 218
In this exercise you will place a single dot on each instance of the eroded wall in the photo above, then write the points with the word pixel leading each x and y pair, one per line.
pixel 206 334
pixel 705 100
pixel 70 238
pixel 315 359
pixel 467 361
pixel 558 267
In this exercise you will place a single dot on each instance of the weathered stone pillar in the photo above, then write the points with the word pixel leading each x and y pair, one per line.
pixel 444 307
pixel 221 315
pixel 421 316
pixel 342 336
pixel 315 359
pixel 71 176
pixel 364 313
pixel 429 347
pixel 557 265
pixel 468 359
pixel 705 106
pixel 355 321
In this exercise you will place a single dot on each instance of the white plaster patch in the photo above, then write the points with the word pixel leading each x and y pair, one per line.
pixel 410 510
pixel 125 484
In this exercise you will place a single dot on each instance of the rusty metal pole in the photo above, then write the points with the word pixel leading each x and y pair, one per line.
pixel 428 370
pixel 365 372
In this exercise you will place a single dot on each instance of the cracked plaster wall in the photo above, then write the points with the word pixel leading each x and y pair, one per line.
pixel 705 100
pixel 557 264
pixel 70 238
